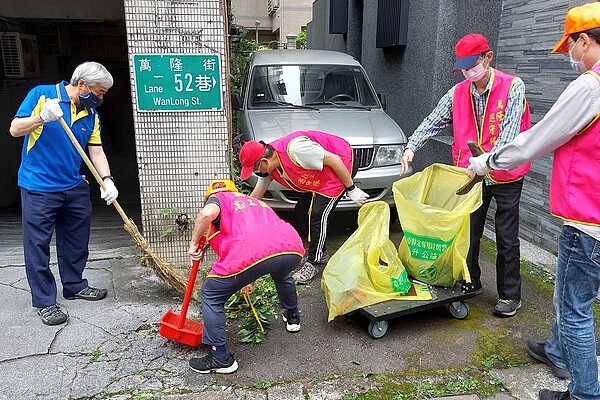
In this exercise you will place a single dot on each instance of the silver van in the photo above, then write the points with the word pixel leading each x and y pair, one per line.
pixel 291 90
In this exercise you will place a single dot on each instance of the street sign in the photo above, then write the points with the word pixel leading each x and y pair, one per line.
pixel 178 82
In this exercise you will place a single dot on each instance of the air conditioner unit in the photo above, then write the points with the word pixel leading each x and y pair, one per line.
pixel 20 55
pixel 272 6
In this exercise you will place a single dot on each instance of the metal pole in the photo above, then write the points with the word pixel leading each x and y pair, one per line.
pixel 256 24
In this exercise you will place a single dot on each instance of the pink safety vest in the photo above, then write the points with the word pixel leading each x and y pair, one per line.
pixel 250 232
pixel 325 182
pixel 574 188
pixel 465 123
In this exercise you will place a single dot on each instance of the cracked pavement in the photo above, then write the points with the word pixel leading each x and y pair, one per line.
pixel 111 349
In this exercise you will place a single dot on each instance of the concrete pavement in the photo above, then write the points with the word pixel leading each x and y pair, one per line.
pixel 111 349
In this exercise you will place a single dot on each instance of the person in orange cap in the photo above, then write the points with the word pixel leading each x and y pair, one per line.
pixel 489 108
pixel 571 129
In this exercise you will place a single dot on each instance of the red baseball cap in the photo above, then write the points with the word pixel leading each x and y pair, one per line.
pixel 468 50
pixel 250 153
pixel 578 19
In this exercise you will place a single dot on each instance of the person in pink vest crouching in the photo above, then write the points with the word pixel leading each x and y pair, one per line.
pixel 234 222
pixel 571 129
pixel 487 107
pixel 320 166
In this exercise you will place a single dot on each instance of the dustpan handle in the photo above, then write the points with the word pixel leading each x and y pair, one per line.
pixel 190 285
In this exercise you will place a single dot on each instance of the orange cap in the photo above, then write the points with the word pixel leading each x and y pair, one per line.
pixel 579 19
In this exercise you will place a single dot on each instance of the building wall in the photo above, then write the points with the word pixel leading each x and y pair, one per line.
pixel 62 45
pixel 66 9
pixel 414 77
pixel 179 152
pixel 247 12
pixel 528 31
pixel 289 17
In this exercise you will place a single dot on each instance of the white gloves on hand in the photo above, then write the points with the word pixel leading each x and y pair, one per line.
pixel 358 196
pixel 51 110
pixel 109 194
pixel 479 164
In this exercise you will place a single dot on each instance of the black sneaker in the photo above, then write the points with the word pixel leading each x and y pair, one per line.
pixel 536 350
pixel 506 307
pixel 89 293
pixel 208 364
pixel 292 321
pixel 546 394
pixel 52 315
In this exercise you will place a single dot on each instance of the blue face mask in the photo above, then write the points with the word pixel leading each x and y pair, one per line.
pixel 89 100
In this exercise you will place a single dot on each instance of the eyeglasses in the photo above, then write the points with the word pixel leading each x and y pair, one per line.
pixel 571 43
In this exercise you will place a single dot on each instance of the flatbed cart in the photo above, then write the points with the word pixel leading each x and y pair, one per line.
pixel 380 313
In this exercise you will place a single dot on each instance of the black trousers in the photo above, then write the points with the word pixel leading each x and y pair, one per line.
pixel 313 212
pixel 508 272
pixel 318 209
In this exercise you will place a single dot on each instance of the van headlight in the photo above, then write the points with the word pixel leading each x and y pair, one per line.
pixel 388 155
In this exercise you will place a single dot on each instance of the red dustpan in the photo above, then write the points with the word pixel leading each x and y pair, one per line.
pixel 178 327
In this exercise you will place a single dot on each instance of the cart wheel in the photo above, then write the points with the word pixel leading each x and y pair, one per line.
pixel 378 328
pixel 459 309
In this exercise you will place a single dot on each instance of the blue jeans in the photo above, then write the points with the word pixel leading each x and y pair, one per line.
pixel 577 282
pixel 216 291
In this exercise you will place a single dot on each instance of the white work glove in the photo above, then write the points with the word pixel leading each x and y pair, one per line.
pixel 109 194
pixel 479 165
pixel 358 196
pixel 51 111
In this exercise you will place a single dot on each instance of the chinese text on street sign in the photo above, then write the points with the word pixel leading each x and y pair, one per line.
pixel 178 82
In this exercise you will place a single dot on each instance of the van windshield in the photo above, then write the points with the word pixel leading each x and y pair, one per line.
pixel 339 86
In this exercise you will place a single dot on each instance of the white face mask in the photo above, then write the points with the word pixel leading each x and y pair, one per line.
pixel 578 66
pixel 475 73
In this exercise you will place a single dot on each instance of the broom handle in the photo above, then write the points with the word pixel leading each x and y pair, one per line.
pixel 190 285
pixel 89 164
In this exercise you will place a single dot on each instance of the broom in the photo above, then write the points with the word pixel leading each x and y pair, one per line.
pixel 165 271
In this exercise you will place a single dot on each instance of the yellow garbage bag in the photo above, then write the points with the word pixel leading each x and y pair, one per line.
pixel 436 223
pixel 366 269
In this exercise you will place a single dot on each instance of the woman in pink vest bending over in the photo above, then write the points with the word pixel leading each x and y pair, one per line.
pixel 236 223
pixel 571 129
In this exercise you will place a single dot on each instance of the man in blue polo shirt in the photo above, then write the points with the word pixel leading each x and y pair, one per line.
pixel 54 195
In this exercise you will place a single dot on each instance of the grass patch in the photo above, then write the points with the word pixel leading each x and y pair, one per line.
pixel 444 383
pixel 94 355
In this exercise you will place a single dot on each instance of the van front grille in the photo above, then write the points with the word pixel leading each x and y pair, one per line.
pixel 364 157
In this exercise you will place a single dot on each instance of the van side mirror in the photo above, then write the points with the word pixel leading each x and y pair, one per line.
pixel 236 101
pixel 381 98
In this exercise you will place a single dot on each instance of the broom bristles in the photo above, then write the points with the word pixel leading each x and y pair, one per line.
pixel 165 271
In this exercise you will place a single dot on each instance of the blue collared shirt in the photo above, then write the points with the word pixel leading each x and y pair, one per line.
pixel 49 162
